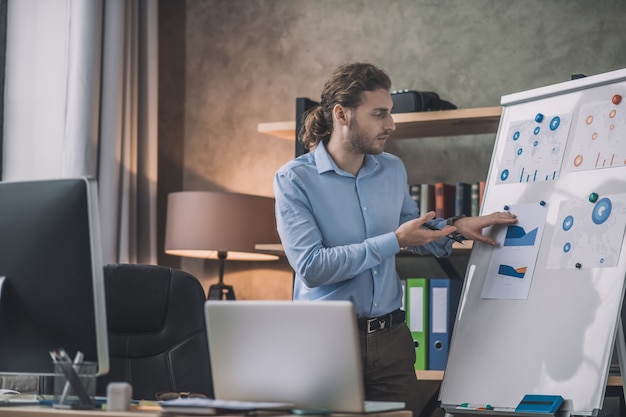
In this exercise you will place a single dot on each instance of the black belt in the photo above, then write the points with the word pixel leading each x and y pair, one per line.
pixel 374 324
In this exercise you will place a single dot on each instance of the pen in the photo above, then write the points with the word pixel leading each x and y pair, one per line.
pixel 454 236
pixel 475 407
pixel 78 359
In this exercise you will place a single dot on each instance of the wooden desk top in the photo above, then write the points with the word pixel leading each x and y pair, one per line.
pixel 37 411
pixel 41 411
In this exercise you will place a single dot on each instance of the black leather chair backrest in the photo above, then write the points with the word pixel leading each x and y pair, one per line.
pixel 156 329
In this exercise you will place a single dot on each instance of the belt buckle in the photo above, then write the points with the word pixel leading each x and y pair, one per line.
pixel 380 324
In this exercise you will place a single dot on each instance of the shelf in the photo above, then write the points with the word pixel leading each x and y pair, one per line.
pixel 457 248
pixel 614 381
pixel 270 248
pixel 283 130
pixel 419 124
pixel 277 248
pixel 429 375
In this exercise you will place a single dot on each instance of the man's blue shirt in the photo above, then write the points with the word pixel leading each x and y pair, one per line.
pixel 337 230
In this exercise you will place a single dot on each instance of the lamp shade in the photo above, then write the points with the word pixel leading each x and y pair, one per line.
pixel 202 223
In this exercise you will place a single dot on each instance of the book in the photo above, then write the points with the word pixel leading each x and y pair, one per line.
pixel 414 191
pixel 427 198
pixel 463 199
pixel 445 198
pixel 475 201
pixel 209 406
pixel 481 192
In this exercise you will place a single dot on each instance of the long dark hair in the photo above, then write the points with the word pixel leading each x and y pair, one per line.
pixel 345 86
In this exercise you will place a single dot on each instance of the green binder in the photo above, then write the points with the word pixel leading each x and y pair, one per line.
pixel 417 318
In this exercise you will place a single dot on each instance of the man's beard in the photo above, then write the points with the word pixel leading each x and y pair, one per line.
pixel 359 142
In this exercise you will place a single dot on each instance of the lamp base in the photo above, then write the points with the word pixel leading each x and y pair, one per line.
pixel 221 292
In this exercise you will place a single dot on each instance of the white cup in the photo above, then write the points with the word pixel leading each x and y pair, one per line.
pixel 119 395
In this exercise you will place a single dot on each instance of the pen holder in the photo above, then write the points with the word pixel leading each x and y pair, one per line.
pixel 74 385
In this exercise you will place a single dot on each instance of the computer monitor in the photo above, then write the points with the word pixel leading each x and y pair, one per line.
pixel 52 294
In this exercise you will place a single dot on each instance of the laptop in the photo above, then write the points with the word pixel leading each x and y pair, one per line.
pixel 298 352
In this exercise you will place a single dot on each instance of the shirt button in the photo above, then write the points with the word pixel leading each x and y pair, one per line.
pixel 364 208
pixel 375 272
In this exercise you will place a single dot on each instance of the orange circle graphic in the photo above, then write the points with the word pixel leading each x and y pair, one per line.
pixel 578 160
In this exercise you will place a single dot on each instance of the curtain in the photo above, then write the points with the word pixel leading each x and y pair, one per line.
pixel 127 172
pixel 3 36
pixel 82 100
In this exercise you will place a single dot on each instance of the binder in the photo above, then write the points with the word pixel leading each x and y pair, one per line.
pixel 444 297
pixel 417 318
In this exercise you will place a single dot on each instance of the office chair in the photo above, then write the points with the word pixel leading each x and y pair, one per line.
pixel 156 330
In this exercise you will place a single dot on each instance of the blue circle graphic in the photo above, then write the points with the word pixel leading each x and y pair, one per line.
pixel 535 143
pixel 568 222
pixel 519 151
pixel 555 122
pixel 516 136
pixel 601 211
pixel 567 247
pixel 537 130
pixel 504 175
pixel 538 117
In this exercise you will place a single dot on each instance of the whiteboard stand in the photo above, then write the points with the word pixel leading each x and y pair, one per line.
pixel 620 345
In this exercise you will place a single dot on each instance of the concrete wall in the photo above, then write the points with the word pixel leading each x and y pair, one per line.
pixel 227 65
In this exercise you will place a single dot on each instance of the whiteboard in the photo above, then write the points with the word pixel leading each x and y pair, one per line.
pixel 539 312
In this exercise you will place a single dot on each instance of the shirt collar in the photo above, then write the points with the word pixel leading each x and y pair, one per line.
pixel 325 162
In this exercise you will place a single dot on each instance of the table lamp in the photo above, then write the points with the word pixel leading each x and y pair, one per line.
pixel 219 225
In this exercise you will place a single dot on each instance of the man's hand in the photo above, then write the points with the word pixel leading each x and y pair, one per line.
pixel 412 233
pixel 472 227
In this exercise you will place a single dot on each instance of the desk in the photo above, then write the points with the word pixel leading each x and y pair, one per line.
pixel 35 411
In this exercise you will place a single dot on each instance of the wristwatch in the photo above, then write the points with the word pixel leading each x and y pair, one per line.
pixel 455 235
pixel 450 220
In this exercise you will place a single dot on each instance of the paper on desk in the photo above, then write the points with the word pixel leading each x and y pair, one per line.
pixel 12 397
pixel 222 404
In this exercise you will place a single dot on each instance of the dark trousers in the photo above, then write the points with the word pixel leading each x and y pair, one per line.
pixel 388 365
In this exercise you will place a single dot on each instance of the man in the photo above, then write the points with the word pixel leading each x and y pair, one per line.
pixel 344 211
